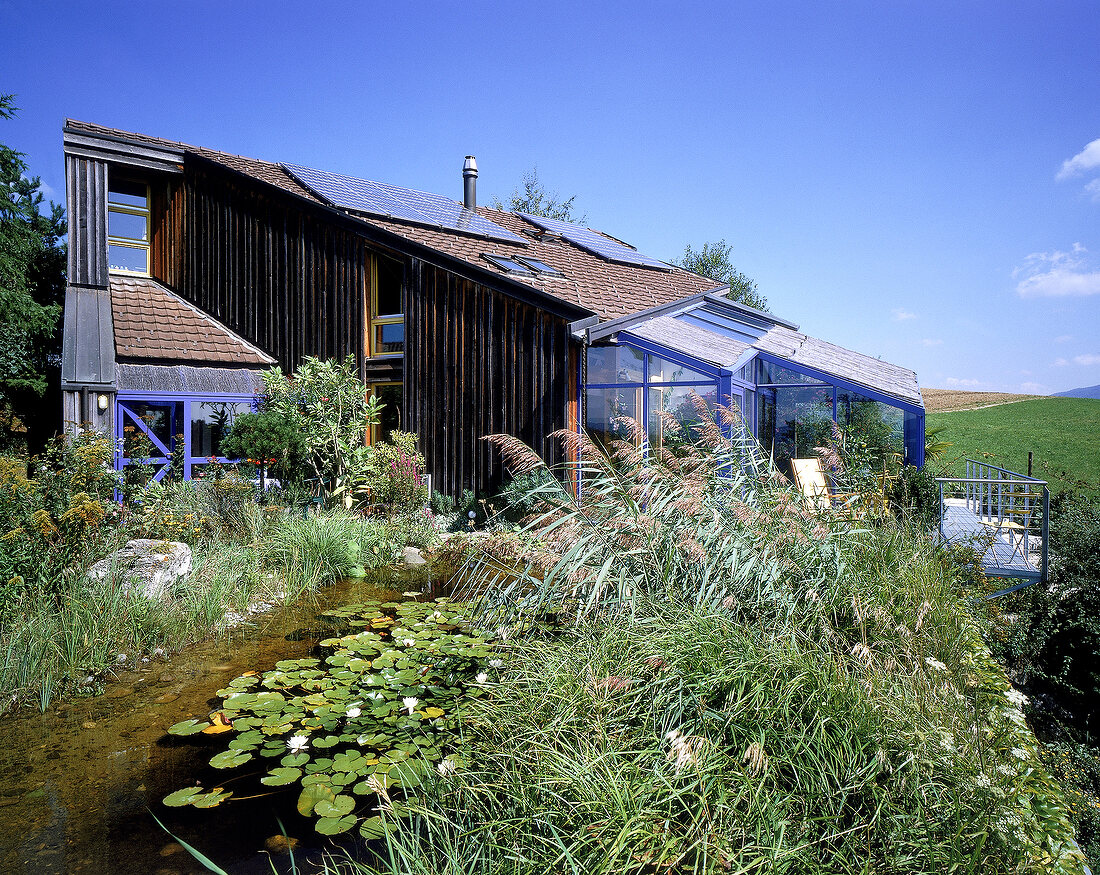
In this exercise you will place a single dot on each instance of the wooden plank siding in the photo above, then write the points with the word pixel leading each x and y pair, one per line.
pixel 86 184
pixel 479 362
pixel 279 277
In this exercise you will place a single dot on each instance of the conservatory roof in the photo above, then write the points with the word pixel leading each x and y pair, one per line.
pixel 728 335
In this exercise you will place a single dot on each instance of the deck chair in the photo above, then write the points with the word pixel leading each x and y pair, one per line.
pixel 811 481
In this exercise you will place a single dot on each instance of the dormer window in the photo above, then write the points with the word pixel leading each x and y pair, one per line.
pixel 128 227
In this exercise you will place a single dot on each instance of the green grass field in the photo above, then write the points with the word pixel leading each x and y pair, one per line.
pixel 1062 433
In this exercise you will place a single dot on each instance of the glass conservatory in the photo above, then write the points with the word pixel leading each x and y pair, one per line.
pixel 788 387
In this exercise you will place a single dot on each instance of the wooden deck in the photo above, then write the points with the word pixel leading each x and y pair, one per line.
pixel 1003 550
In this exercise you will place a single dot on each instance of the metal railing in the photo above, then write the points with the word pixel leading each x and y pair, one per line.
pixel 1011 508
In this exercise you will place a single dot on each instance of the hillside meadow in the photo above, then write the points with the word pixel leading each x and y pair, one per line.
pixel 1062 433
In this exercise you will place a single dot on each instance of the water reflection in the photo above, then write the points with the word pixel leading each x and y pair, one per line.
pixel 77 783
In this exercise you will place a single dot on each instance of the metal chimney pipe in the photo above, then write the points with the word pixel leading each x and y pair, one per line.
pixel 469 183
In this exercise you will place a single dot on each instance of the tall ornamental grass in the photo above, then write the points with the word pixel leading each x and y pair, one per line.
pixel 703 676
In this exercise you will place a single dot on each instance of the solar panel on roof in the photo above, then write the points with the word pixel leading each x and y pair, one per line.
pixel 595 243
pixel 394 202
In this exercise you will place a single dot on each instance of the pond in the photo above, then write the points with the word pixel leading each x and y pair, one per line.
pixel 78 783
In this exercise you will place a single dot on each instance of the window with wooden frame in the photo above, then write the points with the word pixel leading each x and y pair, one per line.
pixel 387 318
pixel 128 227
pixel 391 395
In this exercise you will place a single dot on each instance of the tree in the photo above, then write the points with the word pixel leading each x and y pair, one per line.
pixel 714 261
pixel 537 201
pixel 32 289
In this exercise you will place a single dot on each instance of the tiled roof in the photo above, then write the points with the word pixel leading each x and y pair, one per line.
pixel 152 323
pixel 608 289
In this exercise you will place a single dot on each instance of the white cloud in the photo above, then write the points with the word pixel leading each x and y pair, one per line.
pixel 1063 338
pixel 955 383
pixel 1087 359
pixel 932 341
pixel 1085 160
pixel 1033 389
pixel 1060 363
pixel 1057 274
pixel 901 315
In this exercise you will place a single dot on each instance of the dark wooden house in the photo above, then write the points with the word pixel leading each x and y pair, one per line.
pixel 191 270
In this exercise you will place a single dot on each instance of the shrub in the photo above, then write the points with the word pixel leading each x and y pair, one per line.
pixel 52 516
pixel 327 403
pixel 270 441
pixel 395 474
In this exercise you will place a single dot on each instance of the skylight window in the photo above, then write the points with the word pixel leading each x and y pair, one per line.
pixel 540 267
pixel 509 265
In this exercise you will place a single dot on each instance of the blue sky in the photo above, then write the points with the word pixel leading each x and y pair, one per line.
pixel 916 181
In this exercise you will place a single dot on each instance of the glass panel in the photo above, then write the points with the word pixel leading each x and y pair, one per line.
pixel 390 419
pixel 877 427
pixel 681 405
pixel 767 372
pixel 540 266
pixel 127 225
pixel 663 371
pixel 210 422
pixel 162 419
pixel 131 194
pixel 508 264
pixel 132 258
pixel 795 421
pixel 607 412
pixel 389 338
pixel 388 294
pixel 614 364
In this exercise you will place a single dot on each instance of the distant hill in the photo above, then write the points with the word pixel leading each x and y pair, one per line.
pixel 1086 392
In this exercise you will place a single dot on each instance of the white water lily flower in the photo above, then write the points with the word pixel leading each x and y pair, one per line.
pixel 934 663
pixel 410 702
pixel 297 743
pixel 496 663
pixel 482 677
pixel 353 711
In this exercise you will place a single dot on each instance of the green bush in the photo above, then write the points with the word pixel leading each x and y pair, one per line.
pixel 55 513
pixel 269 441
pixel 395 474
pixel 327 403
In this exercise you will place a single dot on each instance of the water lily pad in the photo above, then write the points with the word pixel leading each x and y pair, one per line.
pixel 213 798
pixel 330 826
pixel 229 759
pixel 188 727
pixel 311 795
pixel 281 776
pixel 183 797
pixel 372 827
pixel 337 807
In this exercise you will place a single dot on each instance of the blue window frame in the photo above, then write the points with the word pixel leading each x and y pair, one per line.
pixel 157 422
pixel 789 408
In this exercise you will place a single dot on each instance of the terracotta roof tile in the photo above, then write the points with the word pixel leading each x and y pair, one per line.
pixel 151 322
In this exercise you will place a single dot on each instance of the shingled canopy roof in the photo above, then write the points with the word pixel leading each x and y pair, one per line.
pixel 153 324
pixel 605 288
